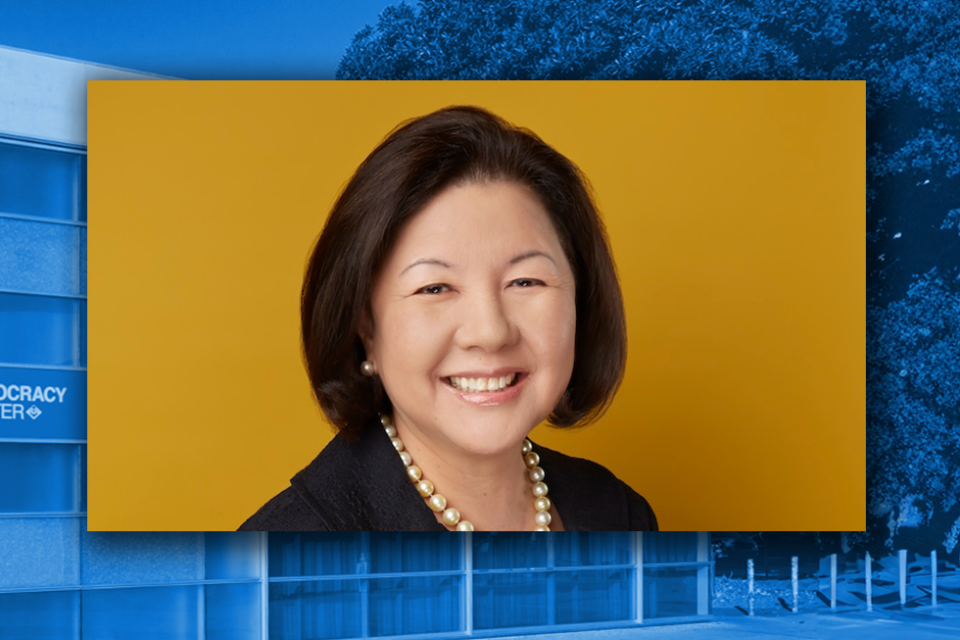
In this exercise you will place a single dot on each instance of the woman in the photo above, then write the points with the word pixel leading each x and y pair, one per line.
pixel 462 292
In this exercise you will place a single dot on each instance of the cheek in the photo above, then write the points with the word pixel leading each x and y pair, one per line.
pixel 408 344
pixel 556 337
pixel 569 338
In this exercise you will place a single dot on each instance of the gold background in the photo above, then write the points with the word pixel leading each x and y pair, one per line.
pixel 736 215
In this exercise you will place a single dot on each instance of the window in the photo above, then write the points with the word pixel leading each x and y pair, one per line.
pixel 352 585
pixel 676 575
pixel 537 580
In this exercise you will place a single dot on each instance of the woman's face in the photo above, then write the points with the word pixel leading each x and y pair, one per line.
pixel 474 319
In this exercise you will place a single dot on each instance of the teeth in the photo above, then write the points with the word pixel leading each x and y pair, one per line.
pixel 475 385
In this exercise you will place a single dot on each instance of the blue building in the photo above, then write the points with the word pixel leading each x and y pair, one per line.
pixel 59 581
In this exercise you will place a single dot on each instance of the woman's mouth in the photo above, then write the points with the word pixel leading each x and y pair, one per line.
pixel 494 384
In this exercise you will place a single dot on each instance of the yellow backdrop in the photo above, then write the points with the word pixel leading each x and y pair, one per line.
pixel 736 214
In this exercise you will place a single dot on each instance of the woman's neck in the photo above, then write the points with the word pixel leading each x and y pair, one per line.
pixel 491 491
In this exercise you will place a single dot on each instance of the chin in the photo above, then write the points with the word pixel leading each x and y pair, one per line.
pixel 490 443
pixel 493 448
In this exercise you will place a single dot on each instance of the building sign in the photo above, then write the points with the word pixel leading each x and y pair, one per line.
pixel 43 404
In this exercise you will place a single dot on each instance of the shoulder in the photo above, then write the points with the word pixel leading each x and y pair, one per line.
pixel 591 498
pixel 311 501
pixel 358 484
pixel 286 511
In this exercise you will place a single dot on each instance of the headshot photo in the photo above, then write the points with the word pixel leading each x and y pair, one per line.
pixel 486 306
pixel 442 304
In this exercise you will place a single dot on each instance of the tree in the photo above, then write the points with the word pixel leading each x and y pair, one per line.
pixel 913 410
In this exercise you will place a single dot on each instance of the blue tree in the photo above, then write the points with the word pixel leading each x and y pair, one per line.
pixel 914 415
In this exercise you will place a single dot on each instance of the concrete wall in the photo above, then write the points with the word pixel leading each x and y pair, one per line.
pixel 45 97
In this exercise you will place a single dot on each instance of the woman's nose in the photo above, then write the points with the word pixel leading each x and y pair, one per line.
pixel 485 324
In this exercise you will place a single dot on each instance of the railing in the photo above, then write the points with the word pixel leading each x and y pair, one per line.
pixel 897 584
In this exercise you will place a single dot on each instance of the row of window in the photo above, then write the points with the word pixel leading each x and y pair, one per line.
pixel 333 554
pixel 350 585
pixel 43 181
pixel 342 608
pixel 43 258
pixel 186 612
pixel 49 551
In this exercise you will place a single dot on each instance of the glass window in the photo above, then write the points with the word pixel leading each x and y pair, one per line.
pixel 663 546
pixel 83 478
pixel 509 550
pixel 38 478
pixel 670 592
pixel 510 600
pixel 232 555
pixel 593 596
pixel 83 261
pixel 28 616
pixel 39 330
pixel 404 552
pixel 305 610
pixel 83 333
pixel 598 548
pixel 132 614
pixel 232 611
pixel 317 554
pixel 42 182
pixel 82 205
pixel 414 605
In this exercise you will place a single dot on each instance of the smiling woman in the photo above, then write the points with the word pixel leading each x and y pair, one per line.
pixel 461 293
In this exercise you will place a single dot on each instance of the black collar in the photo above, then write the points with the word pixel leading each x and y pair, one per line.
pixel 362 485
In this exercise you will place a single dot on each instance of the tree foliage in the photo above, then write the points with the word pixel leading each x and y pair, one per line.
pixel 913 413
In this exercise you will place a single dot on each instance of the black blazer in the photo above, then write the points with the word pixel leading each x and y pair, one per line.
pixel 363 486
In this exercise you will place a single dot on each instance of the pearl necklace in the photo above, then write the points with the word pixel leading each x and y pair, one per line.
pixel 450 516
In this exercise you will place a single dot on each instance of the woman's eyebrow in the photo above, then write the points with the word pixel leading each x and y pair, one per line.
pixel 526 255
pixel 433 261
pixel 533 253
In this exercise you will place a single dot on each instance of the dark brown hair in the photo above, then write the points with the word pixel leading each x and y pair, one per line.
pixel 412 165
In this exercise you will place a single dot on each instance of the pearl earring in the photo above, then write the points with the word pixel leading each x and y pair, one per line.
pixel 367 368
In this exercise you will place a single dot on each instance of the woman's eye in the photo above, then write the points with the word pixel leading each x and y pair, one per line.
pixel 434 289
pixel 526 282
